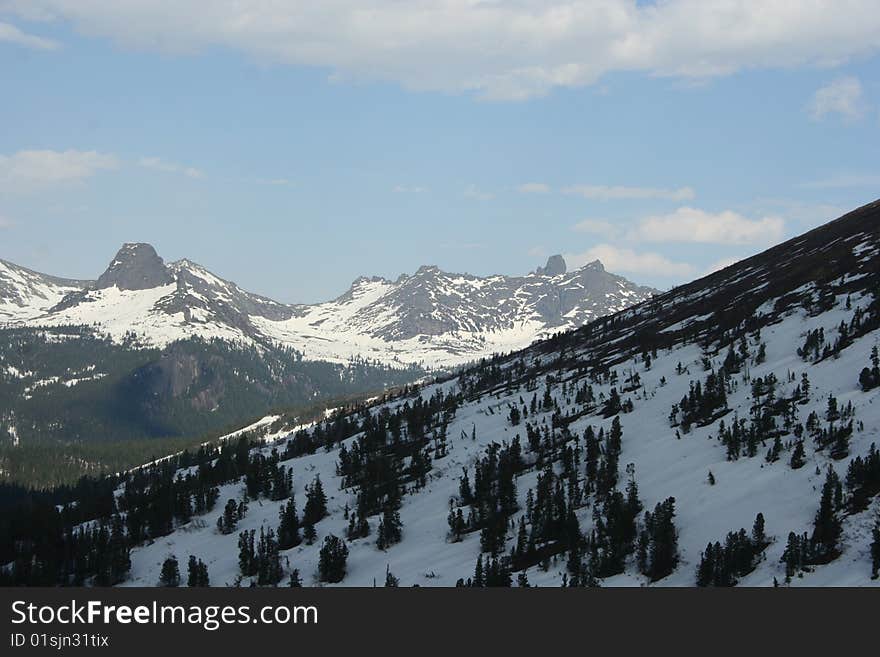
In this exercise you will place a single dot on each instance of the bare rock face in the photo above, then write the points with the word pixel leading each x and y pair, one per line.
pixel 136 267
pixel 555 266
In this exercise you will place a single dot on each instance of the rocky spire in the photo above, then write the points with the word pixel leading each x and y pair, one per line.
pixel 136 267
pixel 555 266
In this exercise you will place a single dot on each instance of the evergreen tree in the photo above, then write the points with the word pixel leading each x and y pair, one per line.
pixel 659 542
pixel 390 580
pixel 269 570
pixel 514 416
pixel 759 537
pixel 797 554
pixel 170 575
pixel 295 581
pixel 288 526
pixel 870 378
pixel 332 559
pixel 197 573
pixel 827 527
pixel 478 580
pixel 390 529
pixel 832 414
pixel 316 503
pixel 247 556
pixel 229 518
pixel 798 458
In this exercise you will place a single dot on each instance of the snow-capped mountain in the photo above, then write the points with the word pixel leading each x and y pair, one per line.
pixel 436 318
pixel 631 451
pixel 431 318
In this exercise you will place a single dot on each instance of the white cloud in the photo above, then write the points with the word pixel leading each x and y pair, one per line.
pixel 276 182
pixel 842 96
pixel 158 164
pixel 598 227
pixel 499 50
pixel 11 34
pixel 533 188
pixel 606 193
pixel 694 225
pixel 622 260
pixel 404 189
pixel 25 170
pixel 472 191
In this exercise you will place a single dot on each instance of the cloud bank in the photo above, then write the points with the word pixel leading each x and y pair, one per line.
pixel 498 50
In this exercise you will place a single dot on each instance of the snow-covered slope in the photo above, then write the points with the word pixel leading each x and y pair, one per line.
pixel 431 318
pixel 748 326
pixel 25 294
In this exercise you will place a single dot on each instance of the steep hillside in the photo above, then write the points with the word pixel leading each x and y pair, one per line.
pixel 629 452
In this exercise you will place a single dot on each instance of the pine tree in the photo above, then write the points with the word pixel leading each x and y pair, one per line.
pixel 170 575
pixel 247 558
pixel 332 559
pixel 229 519
pixel 797 554
pixel 798 458
pixel 390 529
pixel 478 581
pixel 658 546
pixel 295 581
pixel 316 503
pixel 870 378
pixel 288 526
pixel 514 416
pixel 832 414
pixel 197 573
pixel 759 537
pixel 827 527
pixel 269 571
pixel 390 580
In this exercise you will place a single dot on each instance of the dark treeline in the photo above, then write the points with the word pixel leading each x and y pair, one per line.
pixel 123 411
pixel 82 534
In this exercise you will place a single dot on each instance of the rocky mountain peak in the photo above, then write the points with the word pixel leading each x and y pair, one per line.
pixel 136 267
pixel 555 266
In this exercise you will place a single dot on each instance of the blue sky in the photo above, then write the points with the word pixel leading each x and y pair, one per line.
pixel 293 149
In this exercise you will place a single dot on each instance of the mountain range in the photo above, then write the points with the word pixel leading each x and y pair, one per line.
pixel 431 318
pixel 722 433
pixel 153 356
